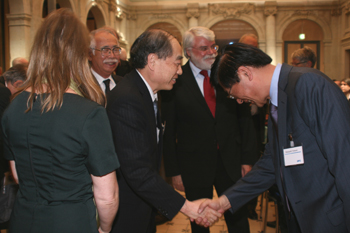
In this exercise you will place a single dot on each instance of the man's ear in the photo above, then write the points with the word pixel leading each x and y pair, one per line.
pixel 245 72
pixel 18 83
pixel 188 53
pixel 151 60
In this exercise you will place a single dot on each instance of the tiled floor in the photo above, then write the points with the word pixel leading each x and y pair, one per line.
pixel 181 223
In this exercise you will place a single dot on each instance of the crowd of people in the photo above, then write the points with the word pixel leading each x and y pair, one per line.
pixel 85 131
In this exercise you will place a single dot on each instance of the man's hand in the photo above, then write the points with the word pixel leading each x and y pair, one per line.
pixel 177 183
pixel 245 169
pixel 206 218
pixel 220 205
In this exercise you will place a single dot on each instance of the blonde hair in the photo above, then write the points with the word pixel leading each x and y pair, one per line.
pixel 59 60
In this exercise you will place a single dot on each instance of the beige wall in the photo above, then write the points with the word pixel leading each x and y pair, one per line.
pixel 273 22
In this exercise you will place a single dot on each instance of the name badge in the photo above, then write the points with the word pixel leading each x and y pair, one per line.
pixel 293 156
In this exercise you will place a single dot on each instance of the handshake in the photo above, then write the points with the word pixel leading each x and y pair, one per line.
pixel 205 212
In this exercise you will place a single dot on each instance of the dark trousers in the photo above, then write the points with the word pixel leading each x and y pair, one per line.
pixel 237 222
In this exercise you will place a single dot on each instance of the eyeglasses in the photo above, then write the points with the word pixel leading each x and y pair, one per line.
pixel 229 94
pixel 107 51
pixel 205 49
pixel 296 64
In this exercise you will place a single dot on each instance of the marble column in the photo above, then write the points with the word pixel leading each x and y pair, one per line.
pixel 270 12
pixel 19 30
pixel 192 14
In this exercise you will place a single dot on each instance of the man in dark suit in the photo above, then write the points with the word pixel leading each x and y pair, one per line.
pixel 209 139
pixel 104 58
pixel 309 140
pixel 136 125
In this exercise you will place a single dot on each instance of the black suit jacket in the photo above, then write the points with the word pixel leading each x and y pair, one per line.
pixel 315 111
pixel 131 114
pixel 192 135
pixel 5 95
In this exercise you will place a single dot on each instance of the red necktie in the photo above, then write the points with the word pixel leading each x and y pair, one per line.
pixel 209 94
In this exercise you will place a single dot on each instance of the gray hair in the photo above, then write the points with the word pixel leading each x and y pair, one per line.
pixel 192 33
pixel 15 73
pixel 93 34
pixel 304 55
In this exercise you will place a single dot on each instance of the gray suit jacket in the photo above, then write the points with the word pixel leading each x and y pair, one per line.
pixel 315 111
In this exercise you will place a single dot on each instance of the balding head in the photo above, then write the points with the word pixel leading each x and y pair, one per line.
pixel 20 61
pixel 249 39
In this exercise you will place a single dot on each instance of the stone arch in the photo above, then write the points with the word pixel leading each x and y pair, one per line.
pixel 253 21
pixel 67 4
pixel 98 12
pixel 176 22
pixel 287 20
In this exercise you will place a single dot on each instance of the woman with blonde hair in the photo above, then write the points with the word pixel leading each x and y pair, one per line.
pixel 58 139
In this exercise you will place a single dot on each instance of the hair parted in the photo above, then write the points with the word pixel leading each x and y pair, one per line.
pixel 105 29
pixel 238 55
pixel 189 36
pixel 59 56
pixel 304 55
pixel 151 41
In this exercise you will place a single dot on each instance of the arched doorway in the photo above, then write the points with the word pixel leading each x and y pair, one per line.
pixel 172 29
pixel 230 31
pixel 94 19
pixel 313 39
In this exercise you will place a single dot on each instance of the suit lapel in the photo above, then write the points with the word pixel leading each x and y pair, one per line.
pixel 191 83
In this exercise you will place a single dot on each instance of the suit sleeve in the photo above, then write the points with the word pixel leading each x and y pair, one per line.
pixel 136 155
pixel 258 180
pixel 168 109
pixel 326 111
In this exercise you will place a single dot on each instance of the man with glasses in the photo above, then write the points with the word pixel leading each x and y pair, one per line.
pixel 304 57
pixel 209 139
pixel 104 58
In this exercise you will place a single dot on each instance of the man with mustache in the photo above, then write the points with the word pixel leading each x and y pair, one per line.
pixel 208 139
pixel 104 58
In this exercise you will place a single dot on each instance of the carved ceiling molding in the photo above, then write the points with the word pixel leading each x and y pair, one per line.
pixel 192 10
pixel 232 10
pixel 161 16
pixel 346 8
pixel 303 13
pixel 131 16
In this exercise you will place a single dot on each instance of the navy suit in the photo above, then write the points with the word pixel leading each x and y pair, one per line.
pixel 141 189
pixel 314 110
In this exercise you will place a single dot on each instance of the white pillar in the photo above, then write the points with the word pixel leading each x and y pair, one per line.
pixel 19 29
pixel 270 12
pixel 192 14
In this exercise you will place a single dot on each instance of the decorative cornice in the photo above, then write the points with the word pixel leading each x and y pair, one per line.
pixel 303 13
pixel 346 8
pixel 270 8
pixel 232 10
pixel 131 16
pixel 161 16
pixel 19 19
pixel 336 12
pixel 112 6
pixel 192 10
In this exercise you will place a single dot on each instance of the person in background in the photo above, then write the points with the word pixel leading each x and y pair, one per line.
pixel 338 82
pixel 304 57
pixel 104 57
pixel 58 139
pixel 20 61
pixel 249 39
pixel 14 77
pixel 345 87
pixel 209 140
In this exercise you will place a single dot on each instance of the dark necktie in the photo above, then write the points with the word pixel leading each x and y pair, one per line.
pixel 209 93
pixel 274 115
pixel 155 106
pixel 106 82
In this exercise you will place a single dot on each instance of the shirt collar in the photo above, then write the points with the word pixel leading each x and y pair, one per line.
pixel 274 85
pixel 153 96
pixel 196 70
pixel 99 78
